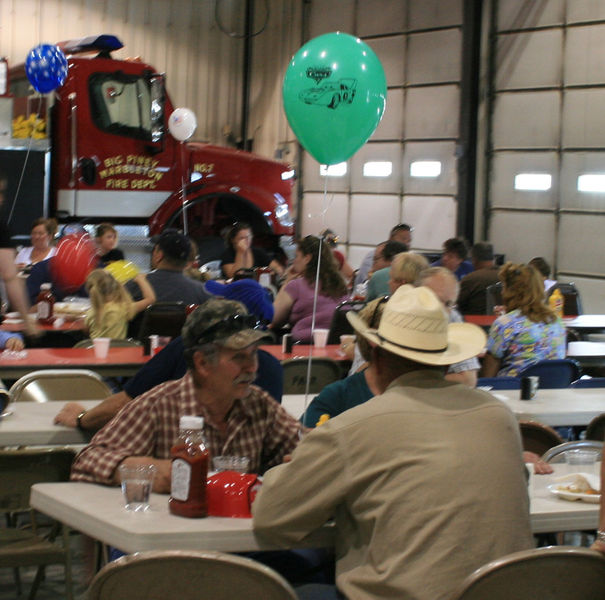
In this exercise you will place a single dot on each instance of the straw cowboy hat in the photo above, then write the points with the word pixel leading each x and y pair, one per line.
pixel 415 325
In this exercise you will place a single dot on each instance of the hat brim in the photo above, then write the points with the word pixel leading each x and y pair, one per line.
pixel 465 340
pixel 243 339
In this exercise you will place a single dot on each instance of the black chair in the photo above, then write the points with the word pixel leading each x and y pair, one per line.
pixel 493 297
pixel 340 324
pixel 162 318
pixel 500 383
pixel 572 304
pixel 554 373
pixel 537 437
pixel 596 429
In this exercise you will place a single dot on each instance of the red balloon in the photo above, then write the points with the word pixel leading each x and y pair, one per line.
pixel 75 258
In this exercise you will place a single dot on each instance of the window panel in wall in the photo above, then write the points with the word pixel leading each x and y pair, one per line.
pixel 369 168
pixel 320 212
pixel 442 152
pixel 578 235
pixel 522 235
pixel 526 120
pixel 521 14
pixel 509 165
pixel 332 16
pixel 372 217
pixel 314 181
pixel 391 53
pixel 435 13
pixel 433 219
pixel 529 60
pixel 434 57
pixel 391 124
pixel 584 118
pixel 380 17
pixel 356 254
pixel 432 112
pixel 575 164
pixel 585 10
pixel 584 52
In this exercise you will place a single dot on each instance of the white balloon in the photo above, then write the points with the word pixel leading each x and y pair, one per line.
pixel 182 123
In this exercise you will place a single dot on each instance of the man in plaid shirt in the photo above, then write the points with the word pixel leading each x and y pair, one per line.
pixel 240 419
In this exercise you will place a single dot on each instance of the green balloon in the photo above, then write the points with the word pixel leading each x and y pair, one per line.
pixel 334 95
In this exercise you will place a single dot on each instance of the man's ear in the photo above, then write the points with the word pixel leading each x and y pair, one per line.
pixel 201 364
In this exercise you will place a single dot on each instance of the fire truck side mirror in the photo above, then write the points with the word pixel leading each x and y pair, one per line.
pixel 158 100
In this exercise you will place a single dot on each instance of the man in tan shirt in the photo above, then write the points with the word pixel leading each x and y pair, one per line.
pixel 425 482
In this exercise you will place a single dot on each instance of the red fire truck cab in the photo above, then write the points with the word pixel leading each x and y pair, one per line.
pixel 112 157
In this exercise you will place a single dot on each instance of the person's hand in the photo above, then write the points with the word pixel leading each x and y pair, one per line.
pixel 68 415
pixel 599 546
pixel 14 343
pixel 540 467
pixel 243 245
pixel 30 327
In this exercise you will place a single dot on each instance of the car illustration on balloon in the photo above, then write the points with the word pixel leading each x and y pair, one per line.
pixel 331 93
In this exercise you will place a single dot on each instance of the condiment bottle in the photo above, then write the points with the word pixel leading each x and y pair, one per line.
pixel 189 470
pixel 45 304
pixel 556 302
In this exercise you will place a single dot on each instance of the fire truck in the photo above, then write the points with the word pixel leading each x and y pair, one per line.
pixel 107 155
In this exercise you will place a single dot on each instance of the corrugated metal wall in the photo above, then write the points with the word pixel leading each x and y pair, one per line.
pixel 197 43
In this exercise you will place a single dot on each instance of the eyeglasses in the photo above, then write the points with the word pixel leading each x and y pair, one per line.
pixel 450 304
pixel 227 327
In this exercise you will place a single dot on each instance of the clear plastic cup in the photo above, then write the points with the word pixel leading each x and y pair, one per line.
pixel 137 481
pixel 241 464
pixel 581 461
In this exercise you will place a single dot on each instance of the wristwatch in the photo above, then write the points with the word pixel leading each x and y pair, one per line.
pixel 79 421
pixel 600 536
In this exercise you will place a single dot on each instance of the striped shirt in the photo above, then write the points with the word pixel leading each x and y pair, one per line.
pixel 257 427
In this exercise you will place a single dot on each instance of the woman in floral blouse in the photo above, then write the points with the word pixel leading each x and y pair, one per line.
pixel 529 331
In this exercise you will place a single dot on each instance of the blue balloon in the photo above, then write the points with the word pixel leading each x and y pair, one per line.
pixel 46 68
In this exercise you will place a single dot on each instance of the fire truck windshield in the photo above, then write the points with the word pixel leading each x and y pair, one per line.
pixel 121 104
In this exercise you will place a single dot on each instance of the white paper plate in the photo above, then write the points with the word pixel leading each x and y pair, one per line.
pixel 556 489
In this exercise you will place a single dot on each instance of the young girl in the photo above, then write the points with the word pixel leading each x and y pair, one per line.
pixel 111 305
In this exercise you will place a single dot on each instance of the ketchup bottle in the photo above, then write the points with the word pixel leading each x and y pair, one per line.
pixel 45 304
pixel 189 470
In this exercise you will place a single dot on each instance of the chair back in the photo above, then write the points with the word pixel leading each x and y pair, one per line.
pixel 23 467
pixel 493 297
pixel 553 373
pixel 162 318
pixel 589 382
pixel 556 573
pixel 500 383
pixel 340 324
pixel 323 372
pixel 596 429
pixel 572 304
pixel 556 454
pixel 188 575
pixel 59 384
pixel 114 343
pixel 537 437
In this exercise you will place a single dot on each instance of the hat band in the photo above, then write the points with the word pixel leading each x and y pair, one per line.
pixel 382 338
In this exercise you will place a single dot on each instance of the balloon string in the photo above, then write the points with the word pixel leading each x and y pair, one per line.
pixel 184 193
pixel 315 295
pixel 29 147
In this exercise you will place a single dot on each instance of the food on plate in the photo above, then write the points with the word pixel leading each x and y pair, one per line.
pixel 578 483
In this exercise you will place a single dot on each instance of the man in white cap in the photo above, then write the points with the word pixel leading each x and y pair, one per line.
pixel 425 482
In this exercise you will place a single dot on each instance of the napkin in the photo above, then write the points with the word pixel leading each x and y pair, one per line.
pixel 580 483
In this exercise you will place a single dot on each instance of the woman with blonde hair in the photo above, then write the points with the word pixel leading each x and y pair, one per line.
pixel 529 331
pixel 405 268
pixel 112 306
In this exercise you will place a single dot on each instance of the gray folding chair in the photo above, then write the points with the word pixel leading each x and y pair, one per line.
pixel 323 372
pixel 553 573
pixel 188 575
pixel 59 384
pixel 556 454
pixel 28 546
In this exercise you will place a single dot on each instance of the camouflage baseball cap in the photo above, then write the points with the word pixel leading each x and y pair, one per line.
pixel 225 322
